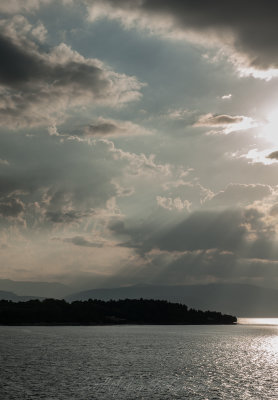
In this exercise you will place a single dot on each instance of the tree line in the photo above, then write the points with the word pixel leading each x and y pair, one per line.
pixel 96 312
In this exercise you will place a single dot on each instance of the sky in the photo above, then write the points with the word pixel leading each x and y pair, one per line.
pixel 139 142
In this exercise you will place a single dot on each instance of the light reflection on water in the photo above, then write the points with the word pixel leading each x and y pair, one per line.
pixel 257 321
pixel 139 362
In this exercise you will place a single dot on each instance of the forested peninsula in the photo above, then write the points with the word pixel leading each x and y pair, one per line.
pixel 98 312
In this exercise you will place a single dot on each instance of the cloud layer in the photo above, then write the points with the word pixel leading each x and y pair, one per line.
pixel 39 88
pixel 124 151
pixel 248 32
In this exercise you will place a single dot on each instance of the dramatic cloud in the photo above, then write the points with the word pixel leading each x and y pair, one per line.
pixel 239 230
pixel 75 187
pixel 15 6
pixel 208 266
pixel 208 246
pixel 112 128
pixel 273 155
pixel 248 32
pixel 11 207
pixel 139 164
pixel 117 164
pixel 260 156
pixel 218 120
pixel 204 230
pixel 81 241
pixel 228 122
pixel 191 194
pixel 39 88
pixel 200 230
pixel 65 217
pixel 173 204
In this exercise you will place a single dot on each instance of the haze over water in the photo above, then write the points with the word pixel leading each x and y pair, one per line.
pixel 139 362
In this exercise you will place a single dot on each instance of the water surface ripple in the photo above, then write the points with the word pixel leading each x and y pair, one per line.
pixel 139 362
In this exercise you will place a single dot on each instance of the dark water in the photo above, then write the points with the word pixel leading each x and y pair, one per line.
pixel 139 362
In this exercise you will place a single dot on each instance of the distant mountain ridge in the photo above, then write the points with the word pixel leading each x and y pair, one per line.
pixel 35 289
pixel 237 299
pixel 4 295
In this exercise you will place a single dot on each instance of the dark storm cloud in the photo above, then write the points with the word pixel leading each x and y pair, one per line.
pixel 243 232
pixel 112 128
pixel 204 230
pixel 214 266
pixel 9 184
pixel 64 217
pixel 40 86
pixel 101 129
pixel 14 6
pixel 250 28
pixel 21 66
pixel 17 66
pixel 238 244
pixel 67 189
pixel 81 241
pixel 11 207
pixel 273 155
pixel 196 266
pixel 201 230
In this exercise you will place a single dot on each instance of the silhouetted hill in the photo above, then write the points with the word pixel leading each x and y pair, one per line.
pixel 93 312
pixel 4 295
pixel 35 289
pixel 236 299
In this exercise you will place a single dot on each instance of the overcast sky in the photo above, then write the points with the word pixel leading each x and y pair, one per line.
pixel 139 141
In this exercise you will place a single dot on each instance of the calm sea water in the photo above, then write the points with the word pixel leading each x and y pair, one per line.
pixel 139 362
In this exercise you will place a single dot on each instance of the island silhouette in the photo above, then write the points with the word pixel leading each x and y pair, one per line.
pixel 98 312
